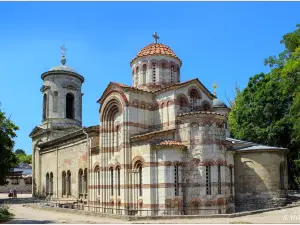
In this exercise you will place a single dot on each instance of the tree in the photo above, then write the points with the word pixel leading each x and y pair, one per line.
pixel 20 151
pixel 7 158
pixel 23 158
pixel 268 109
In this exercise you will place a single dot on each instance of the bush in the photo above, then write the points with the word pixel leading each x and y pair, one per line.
pixel 4 213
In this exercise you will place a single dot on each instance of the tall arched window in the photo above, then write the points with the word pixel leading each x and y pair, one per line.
pixel 51 183
pixel 172 74
pixel 137 76
pixel 55 101
pixel 111 181
pixel 168 110
pixel 69 182
pixel 119 180
pixel 63 182
pixel 117 137
pixel 181 103
pixel 193 96
pixel 80 185
pixel 144 73
pixel 231 180
pixel 45 107
pixel 178 74
pixel 162 114
pixel 176 177
pixel 281 174
pixel 208 180
pixel 140 169
pixel 154 73
pixel 85 178
pixel 219 179
pixel 47 184
pixel 70 106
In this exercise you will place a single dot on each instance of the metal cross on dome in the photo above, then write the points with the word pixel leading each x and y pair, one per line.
pixel 155 36
pixel 63 50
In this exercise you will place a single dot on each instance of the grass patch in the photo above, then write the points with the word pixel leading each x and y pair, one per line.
pixel 5 215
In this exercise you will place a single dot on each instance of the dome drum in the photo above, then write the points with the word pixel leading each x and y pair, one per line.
pixel 155 66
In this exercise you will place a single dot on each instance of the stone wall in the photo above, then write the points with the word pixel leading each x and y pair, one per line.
pixel 257 182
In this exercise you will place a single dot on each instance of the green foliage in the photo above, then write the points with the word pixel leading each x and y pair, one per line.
pixel 23 158
pixel 268 109
pixel 4 213
pixel 7 158
pixel 20 151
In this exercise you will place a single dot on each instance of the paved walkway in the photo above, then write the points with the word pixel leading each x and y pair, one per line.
pixel 37 216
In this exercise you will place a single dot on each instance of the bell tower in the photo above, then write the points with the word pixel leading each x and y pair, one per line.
pixel 62 97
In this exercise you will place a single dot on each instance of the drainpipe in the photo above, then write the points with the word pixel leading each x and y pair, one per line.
pixel 88 144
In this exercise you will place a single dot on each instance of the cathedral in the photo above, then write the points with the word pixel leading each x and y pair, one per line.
pixel 163 146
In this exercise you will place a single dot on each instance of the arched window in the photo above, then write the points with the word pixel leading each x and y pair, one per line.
pixel 168 110
pixel 281 174
pixel 178 74
pixel 63 182
pixel 144 73
pixel 194 98
pixel 47 184
pixel 85 178
pixel 137 76
pixel 80 184
pixel 55 101
pixel 219 179
pixel 69 182
pixel 51 183
pixel 171 74
pixel 45 107
pixel 176 180
pixel 231 180
pixel 206 107
pixel 117 137
pixel 208 180
pixel 140 169
pixel 111 181
pixel 70 106
pixel 181 103
pixel 97 180
pixel 119 180
pixel 154 73
pixel 162 114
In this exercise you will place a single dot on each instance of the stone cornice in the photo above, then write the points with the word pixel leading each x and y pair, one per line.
pixel 150 135
pixel 77 135
pixel 62 72
pixel 202 113
pixel 44 88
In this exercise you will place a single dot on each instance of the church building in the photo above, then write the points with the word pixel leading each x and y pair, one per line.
pixel 163 146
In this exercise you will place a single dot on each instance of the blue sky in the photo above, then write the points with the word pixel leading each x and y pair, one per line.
pixel 218 42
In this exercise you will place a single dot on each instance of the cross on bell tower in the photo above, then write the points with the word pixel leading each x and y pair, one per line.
pixel 63 52
pixel 215 89
pixel 156 37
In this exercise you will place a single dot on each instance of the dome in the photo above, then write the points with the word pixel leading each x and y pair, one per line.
pixel 218 103
pixel 156 49
pixel 62 68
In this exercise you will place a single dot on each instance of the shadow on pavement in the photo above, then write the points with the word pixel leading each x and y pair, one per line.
pixel 19 200
pixel 20 221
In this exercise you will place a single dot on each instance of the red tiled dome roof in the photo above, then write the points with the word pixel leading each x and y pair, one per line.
pixel 156 49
